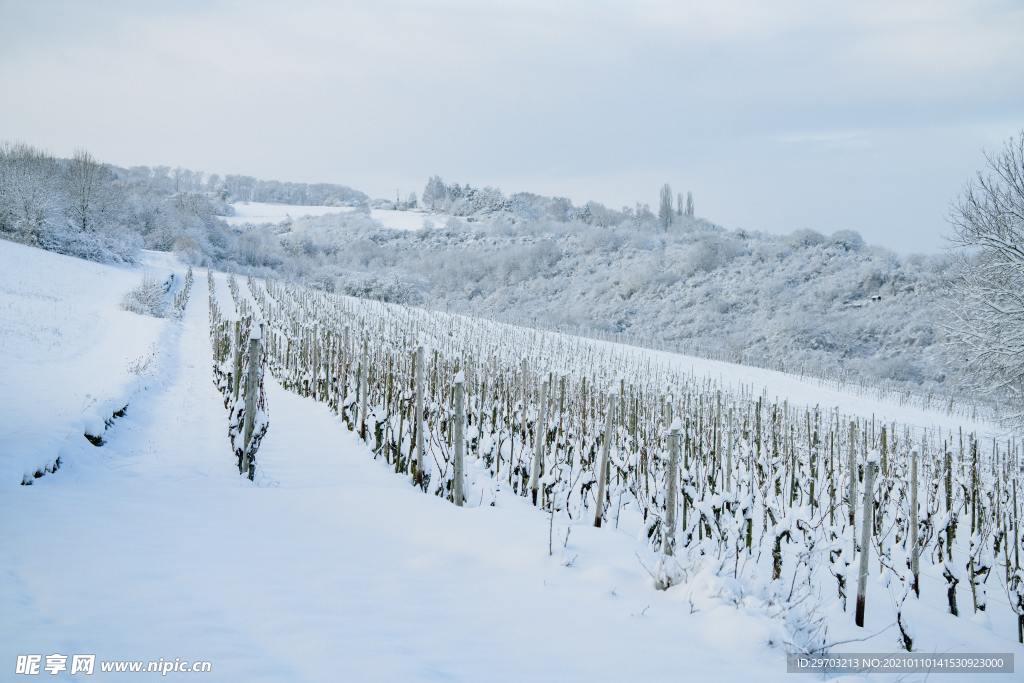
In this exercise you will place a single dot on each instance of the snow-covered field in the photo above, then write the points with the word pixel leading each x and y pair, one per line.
pixel 408 220
pixel 331 567
pixel 254 213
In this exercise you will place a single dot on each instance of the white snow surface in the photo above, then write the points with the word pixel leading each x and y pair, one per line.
pixel 329 567
pixel 66 348
pixel 408 220
pixel 811 391
pixel 256 213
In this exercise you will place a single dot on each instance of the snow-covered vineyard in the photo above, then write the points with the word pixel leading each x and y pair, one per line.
pixel 757 489
pixel 613 499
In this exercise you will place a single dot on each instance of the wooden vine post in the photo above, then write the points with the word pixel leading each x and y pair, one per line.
pixel 526 397
pixel 606 445
pixel 540 435
pixel 236 375
pixel 364 389
pixel 458 494
pixel 420 458
pixel 671 484
pixel 252 388
pixel 915 552
pixel 865 538
pixel 852 493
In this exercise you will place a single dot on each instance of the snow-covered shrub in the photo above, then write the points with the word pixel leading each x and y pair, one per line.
pixel 148 298
pixel 709 253
pixel 390 289
pixel 116 246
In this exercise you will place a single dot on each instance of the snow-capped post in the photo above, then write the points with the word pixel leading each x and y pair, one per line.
pixel 950 513
pixel 561 408
pixel 540 434
pixel 460 416
pixel 602 475
pixel 236 378
pixel 252 388
pixel 728 457
pixel 345 363
pixel 865 539
pixel 420 457
pixel 1018 577
pixel 973 496
pixel 948 480
pixel 364 389
pixel 526 400
pixel 885 453
pixel 915 552
pixel 852 493
pixel 671 484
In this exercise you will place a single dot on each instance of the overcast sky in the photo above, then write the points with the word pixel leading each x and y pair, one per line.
pixel 777 115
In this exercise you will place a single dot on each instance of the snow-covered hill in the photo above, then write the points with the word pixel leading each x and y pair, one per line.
pixel 804 302
pixel 825 305
pixel 331 567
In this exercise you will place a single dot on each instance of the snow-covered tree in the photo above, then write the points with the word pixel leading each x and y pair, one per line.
pixel 987 299
pixel 435 193
pixel 665 207
pixel 27 192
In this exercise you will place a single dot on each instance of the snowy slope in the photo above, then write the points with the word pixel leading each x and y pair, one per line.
pixel 811 391
pixel 66 349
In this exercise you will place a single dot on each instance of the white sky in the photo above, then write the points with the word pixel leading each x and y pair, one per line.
pixel 826 115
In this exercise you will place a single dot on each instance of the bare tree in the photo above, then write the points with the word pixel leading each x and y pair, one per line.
pixel 84 185
pixel 665 207
pixel 987 296
pixel 689 204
